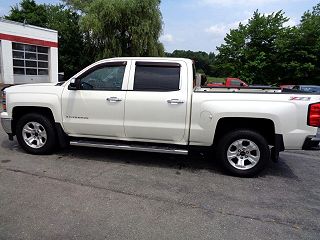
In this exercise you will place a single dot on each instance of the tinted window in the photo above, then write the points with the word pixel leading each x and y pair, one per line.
pixel 43 72
pixel 30 48
pixel 17 54
pixel 42 49
pixel 31 71
pixel 156 78
pixel 19 71
pixel 31 64
pixel 43 57
pixel 235 83
pixel 310 89
pixel 31 56
pixel 18 63
pixel 104 78
pixel 18 46
pixel 43 64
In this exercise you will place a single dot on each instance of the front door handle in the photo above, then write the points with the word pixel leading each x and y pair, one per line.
pixel 114 99
pixel 175 101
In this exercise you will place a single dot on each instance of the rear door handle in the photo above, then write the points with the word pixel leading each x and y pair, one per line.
pixel 175 101
pixel 114 99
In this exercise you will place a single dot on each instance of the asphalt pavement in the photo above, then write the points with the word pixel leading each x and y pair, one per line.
pixel 86 193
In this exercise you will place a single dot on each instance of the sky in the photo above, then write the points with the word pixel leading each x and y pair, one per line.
pixel 201 25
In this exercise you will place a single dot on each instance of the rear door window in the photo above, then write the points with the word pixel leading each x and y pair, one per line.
pixel 157 77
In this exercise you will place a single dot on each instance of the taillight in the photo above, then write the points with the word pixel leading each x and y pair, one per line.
pixel 314 115
pixel 4 101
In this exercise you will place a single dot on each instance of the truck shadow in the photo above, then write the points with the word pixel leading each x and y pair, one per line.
pixel 280 169
pixel 179 162
pixel 194 163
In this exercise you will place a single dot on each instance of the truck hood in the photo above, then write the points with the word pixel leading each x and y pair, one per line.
pixel 32 85
pixel 50 88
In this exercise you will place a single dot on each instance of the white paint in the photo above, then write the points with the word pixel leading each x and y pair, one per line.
pixel 53 65
pixel 7 64
pixel 29 31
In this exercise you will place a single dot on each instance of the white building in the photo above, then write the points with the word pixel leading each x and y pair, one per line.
pixel 28 54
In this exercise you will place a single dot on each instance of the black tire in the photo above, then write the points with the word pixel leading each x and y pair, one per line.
pixel 240 134
pixel 48 126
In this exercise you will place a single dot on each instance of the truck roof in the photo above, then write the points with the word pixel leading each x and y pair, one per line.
pixel 149 59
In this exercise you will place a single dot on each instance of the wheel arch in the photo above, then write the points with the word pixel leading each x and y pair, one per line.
pixel 20 111
pixel 264 126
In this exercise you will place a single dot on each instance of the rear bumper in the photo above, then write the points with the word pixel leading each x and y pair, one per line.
pixel 312 141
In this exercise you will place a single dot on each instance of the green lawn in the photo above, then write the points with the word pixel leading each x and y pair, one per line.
pixel 215 79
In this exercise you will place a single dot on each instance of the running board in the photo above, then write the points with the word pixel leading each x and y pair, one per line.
pixel 133 147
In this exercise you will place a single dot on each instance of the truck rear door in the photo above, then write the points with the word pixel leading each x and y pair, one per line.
pixel 156 102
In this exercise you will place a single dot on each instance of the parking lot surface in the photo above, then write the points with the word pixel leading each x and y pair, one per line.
pixel 85 193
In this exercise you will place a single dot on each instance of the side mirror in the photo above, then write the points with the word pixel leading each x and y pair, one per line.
pixel 74 84
pixel 61 77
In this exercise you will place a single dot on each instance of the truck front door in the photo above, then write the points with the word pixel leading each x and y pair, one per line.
pixel 97 108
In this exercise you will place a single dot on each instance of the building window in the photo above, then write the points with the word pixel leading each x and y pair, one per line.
pixel 30 59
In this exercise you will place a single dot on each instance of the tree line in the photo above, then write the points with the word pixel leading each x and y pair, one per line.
pixel 266 50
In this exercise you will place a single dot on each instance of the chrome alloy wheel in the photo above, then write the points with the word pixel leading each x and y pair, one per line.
pixel 34 135
pixel 243 154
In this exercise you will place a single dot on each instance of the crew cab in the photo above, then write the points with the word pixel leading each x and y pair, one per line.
pixel 230 82
pixel 158 105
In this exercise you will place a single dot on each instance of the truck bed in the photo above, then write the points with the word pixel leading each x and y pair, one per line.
pixel 218 89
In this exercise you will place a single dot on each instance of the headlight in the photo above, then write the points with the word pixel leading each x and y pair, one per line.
pixel 4 101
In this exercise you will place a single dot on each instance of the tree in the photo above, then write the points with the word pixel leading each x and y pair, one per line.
pixel 204 62
pixel 299 49
pixel 250 52
pixel 309 42
pixel 129 27
pixel 73 52
pixel 295 60
pixel 29 12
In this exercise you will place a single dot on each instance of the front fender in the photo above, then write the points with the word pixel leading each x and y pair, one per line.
pixel 50 101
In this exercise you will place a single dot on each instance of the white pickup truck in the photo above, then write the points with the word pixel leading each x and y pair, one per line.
pixel 154 104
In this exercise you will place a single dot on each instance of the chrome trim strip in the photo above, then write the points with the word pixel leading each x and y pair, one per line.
pixel 127 147
pixel 6 125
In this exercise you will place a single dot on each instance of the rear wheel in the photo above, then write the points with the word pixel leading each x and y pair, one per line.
pixel 35 134
pixel 243 153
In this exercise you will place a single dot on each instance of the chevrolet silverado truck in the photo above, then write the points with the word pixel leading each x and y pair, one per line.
pixel 158 105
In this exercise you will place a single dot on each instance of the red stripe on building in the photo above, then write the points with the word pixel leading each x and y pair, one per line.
pixel 26 40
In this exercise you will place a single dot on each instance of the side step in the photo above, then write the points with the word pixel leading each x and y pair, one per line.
pixel 131 146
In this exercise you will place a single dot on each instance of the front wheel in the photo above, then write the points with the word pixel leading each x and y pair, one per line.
pixel 36 134
pixel 243 153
